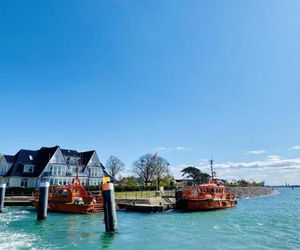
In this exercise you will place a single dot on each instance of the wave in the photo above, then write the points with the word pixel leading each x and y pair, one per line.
pixel 16 240
pixel 275 192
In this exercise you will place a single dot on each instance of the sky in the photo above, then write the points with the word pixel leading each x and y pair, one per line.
pixel 189 80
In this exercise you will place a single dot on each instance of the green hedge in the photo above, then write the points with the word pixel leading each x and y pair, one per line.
pixel 139 188
pixel 17 191
pixel 129 188
pixel 28 191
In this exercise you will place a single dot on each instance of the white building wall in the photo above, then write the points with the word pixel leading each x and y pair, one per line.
pixel 32 182
pixel 15 181
pixel 4 166
pixel 56 172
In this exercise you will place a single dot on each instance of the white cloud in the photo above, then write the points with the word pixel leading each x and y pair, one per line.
pixel 272 161
pixel 162 149
pixel 178 148
pixel 295 147
pixel 274 170
pixel 256 152
pixel 273 158
pixel 181 148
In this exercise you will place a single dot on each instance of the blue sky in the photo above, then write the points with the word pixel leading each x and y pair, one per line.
pixel 188 79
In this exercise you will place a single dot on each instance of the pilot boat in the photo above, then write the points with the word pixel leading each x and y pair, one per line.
pixel 205 197
pixel 72 198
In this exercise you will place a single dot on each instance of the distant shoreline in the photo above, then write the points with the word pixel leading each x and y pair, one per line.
pixel 251 192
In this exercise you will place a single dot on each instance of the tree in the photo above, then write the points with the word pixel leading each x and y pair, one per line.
pixel 196 174
pixel 160 168
pixel 167 180
pixel 144 167
pixel 242 183
pixel 129 181
pixel 114 166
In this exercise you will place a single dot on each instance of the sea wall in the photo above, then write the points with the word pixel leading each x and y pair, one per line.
pixel 250 192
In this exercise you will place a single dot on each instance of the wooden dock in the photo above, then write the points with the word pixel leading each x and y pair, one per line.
pixel 17 201
pixel 152 204
pixel 148 205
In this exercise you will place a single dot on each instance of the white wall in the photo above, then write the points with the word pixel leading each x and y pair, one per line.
pixel 14 181
pixel 32 182
pixel 4 166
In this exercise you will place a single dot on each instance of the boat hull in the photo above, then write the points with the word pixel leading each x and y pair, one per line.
pixel 204 204
pixel 71 208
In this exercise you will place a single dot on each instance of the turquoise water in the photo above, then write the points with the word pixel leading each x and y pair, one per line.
pixel 263 223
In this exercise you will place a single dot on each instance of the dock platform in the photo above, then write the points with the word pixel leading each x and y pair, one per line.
pixel 147 205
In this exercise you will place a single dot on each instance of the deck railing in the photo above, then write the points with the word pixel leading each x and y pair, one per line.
pixel 143 194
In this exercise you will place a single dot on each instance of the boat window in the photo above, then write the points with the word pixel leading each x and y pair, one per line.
pixel 59 191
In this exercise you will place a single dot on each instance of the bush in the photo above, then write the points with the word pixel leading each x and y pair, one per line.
pixel 92 188
pixel 17 191
pixel 139 188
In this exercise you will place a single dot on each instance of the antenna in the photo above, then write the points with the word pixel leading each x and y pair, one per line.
pixel 213 173
pixel 77 170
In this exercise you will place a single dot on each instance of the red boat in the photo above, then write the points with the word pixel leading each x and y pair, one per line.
pixel 72 198
pixel 205 197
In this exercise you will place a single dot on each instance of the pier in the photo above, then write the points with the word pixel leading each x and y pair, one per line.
pixel 153 204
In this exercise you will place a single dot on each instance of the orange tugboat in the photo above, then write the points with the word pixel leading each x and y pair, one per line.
pixel 72 198
pixel 205 197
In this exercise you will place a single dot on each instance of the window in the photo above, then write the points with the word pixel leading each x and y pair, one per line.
pixel 24 182
pixel 30 157
pixel 28 169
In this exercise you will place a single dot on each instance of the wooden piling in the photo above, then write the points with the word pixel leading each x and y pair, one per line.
pixel 110 215
pixel 43 201
pixel 2 196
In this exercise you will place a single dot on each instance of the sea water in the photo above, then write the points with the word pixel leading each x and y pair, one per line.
pixel 271 222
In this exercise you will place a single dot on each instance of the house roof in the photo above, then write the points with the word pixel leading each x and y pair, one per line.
pixel 43 158
pixel 9 158
pixel 68 152
pixel 86 156
pixel 23 157
pixel 39 159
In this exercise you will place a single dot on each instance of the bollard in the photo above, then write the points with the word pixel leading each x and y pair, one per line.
pixel 110 215
pixel 2 196
pixel 43 201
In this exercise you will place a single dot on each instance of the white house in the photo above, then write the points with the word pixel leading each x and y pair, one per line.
pixel 59 166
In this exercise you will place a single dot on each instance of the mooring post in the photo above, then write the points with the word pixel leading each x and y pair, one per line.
pixel 110 215
pixel 2 196
pixel 43 201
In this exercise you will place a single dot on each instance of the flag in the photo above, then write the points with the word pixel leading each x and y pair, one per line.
pixel 154 157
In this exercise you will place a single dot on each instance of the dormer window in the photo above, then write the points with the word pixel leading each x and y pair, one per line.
pixel 28 169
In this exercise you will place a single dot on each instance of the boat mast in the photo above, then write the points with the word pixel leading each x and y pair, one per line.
pixel 213 173
pixel 77 169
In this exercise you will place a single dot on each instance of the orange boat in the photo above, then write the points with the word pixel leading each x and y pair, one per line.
pixel 72 198
pixel 205 197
